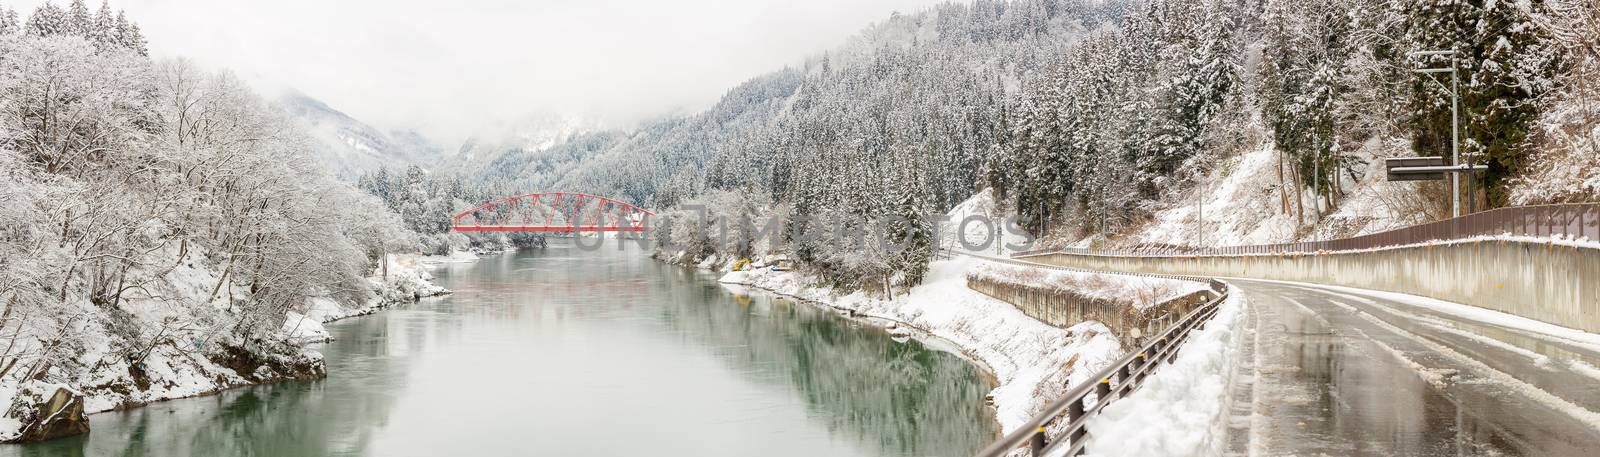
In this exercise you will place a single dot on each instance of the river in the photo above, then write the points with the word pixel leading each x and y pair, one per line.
pixel 566 352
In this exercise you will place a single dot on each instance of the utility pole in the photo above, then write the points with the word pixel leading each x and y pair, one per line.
pixel 1455 122
pixel 1200 202
pixel 1316 182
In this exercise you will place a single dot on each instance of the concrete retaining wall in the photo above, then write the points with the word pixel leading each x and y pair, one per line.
pixel 1054 307
pixel 1551 283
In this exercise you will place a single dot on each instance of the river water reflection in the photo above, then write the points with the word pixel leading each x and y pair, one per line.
pixel 562 352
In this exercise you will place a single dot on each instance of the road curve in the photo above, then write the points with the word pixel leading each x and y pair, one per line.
pixel 1335 371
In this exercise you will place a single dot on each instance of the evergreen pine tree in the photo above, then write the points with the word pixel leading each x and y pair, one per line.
pixel 103 28
pixel 47 20
pixel 911 231
pixel 79 21
pixel 8 21
pixel 129 36
pixel 1506 62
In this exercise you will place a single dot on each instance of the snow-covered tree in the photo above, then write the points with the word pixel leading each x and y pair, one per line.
pixel 1565 163
pixel 105 30
pixel 151 204
pixel 1506 61
pixel 102 29
pixel 8 21
pixel 129 36
pixel 79 22
pixel 48 19
pixel 910 233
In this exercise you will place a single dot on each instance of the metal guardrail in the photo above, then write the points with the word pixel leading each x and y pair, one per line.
pixel 1120 378
pixel 1110 384
pixel 1123 377
pixel 1577 220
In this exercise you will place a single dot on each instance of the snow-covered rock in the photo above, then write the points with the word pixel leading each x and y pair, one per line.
pixel 41 411
pixel 303 329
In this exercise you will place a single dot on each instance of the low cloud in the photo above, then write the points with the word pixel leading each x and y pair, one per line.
pixel 451 68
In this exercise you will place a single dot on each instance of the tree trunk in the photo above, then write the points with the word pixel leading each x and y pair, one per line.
pixel 1299 197
pixel 1283 187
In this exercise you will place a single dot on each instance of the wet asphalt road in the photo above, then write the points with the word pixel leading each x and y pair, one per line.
pixel 1341 372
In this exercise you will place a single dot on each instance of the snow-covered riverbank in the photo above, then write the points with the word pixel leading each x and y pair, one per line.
pixel 408 281
pixel 191 357
pixel 1031 361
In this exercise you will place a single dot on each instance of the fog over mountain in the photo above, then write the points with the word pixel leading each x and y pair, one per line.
pixel 450 68
pixel 352 147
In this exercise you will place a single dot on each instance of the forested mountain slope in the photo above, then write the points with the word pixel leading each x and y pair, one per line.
pixel 351 147
pixel 928 87
pixel 1301 108
pixel 1102 121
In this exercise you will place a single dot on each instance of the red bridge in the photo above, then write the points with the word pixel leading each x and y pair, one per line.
pixel 552 212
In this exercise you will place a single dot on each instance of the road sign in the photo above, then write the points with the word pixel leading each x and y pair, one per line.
pixel 1389 166
pixel 1425 168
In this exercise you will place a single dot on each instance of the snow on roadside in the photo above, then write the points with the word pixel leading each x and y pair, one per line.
pixel 1531 327
pixel 1182 408
pixel 1032 361
pixel 1555 240
pixel 1140 291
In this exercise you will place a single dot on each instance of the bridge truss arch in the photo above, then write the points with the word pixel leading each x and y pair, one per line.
pixel 553 212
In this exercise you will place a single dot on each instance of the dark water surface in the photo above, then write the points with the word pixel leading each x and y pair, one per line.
pixel 564 352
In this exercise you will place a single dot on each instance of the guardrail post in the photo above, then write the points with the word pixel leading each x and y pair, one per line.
pixel 1128 384
pixel 1036 444
pixel 1102 392
pixel 1122 379
pixel 1157 350
pixel 1075 412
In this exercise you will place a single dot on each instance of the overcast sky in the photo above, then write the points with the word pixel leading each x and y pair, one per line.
pixel 453 67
